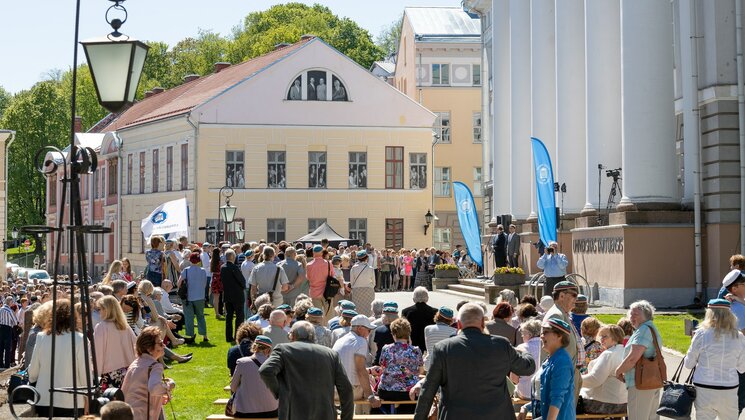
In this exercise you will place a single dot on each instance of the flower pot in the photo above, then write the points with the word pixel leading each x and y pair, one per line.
pixel 509 279
pixel 446 274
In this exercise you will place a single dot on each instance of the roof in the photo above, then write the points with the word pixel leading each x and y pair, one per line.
pixel 185 97
pixel 444 24
pixel 324 232
pixel 386 65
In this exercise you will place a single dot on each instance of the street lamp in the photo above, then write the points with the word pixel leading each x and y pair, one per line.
pixel 14 233
pixel 240 234
pixel 225 213
pixel 428 218
pixel 116 64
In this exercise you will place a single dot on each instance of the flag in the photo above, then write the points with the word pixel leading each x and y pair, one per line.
pixel 544 191
pixel 171 218
pixel 469 221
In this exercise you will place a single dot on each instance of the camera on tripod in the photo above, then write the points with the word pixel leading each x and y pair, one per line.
pixel 614 173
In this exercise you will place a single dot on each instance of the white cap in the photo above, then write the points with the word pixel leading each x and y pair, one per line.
pixel 362 321
pixel 731 277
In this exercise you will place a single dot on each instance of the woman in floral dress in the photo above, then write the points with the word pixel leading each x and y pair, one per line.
pixel 401 364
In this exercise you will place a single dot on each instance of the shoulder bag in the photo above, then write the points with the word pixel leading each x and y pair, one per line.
pixel 183 290
pixel 274 286
pixel 677 398
pixel 651 373
pixel 332 285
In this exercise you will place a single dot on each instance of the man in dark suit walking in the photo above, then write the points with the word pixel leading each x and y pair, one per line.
pixel 472 369
pixel 234 286
pixel 303 375
pixel 513 247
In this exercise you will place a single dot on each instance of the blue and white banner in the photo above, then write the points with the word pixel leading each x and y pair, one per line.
pixel 544 191
pixel 469 221
pixel 168 219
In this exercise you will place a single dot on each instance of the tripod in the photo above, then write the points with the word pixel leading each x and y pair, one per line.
pixel 615 189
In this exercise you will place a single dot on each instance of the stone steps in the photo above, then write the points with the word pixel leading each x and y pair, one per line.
pixel 467 289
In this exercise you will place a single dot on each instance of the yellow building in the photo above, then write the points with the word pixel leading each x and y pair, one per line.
pixel 303 135
pixel 439 66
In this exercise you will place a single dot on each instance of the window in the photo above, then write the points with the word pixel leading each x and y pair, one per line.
pixel 156 170
pixel 113 175
pixel 129 173
pixel 184 166
pixel 357 170
pixel 476 74
pixel 442 238
pixel 418 170
pixel 442 126
pixel 316 169
pixel 169 168
pixel 276 170
pixel 53 190
pixel 394 167
pixel 213 227
pixel 442 182
pixel 94 177
pixel 394 233
pixel 129 248
pixel 275 230
pixel 234 172
pixel 232 228
pixel 440 74
pixel 477 127
pixel 313 224
pixel 142 172
pixel 358 230
pixel 477 188
pixel 317 85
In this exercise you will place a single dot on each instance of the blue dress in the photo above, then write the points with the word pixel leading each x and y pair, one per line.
pixel 557 385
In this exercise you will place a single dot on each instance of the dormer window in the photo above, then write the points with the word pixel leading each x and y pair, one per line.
pixel 313 85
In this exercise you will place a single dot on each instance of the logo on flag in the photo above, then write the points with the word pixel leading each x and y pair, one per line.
pixel 159 217
pixel 543 174
pixel 465 206
pixel 468 219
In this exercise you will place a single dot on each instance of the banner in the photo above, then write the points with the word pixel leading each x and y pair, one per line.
pixel 469 221
pixel 169 219
pixel 544 191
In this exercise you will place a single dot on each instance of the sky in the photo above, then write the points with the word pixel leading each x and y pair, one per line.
pixel 36 36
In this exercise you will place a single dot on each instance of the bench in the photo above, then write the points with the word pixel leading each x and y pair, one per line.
pixel 356 417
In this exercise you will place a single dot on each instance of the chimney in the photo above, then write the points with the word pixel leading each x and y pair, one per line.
pixel 190 78
pixel 157 90
pixel 306 36
pixel 148 94
pixel 221 65
pixel 78 124
pixel 281 45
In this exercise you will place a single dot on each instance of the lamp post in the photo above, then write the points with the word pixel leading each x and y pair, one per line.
pixel 240 234
pixel 225 213
pixel 428 218
pixel 116 63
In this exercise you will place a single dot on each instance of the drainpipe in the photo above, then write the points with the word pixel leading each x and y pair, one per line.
pixel 694 118
pixel 195 210
pixel 7 151
pixel 120 184
pixel 740 118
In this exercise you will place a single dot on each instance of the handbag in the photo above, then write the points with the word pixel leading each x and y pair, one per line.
pixel 274 286
pixel 651 373
pixel 18 379
pixel 332 285
pixel 677 398
pixel 183 290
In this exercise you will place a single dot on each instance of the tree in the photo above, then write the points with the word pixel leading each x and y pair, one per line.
pixel 40 116
pixel 261 31
pixel 5 98
pixel 388 39
pixel 87 106
pixel 157 68
pixel 196 56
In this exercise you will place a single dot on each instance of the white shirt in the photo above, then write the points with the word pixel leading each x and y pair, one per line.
pixel 39 372
pixel 533 347
pixel 165 302
pixel 246 268
pixel 433 334
pixel 717 359
pixel 205 257
pixel 348 347
pixel 600 383
pixel 362 275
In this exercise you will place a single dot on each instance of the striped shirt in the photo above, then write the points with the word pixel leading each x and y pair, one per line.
pixel 433 334
pixel 7 317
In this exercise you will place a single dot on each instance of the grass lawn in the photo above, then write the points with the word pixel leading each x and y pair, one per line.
pixel 671 328
pixel 201 381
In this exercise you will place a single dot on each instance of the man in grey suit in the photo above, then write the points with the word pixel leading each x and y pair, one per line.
pixel 303 375
pixel 468 390
pixel 513 247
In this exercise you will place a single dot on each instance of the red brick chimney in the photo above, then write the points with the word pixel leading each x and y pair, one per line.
pixel 157 90
pixel 220 66
pixel 148 94
pixel 78 124
pixel 190 78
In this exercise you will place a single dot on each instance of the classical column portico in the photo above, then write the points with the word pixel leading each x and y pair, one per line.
pixel 501 140
pixel 570 103
pixel 521 160
pixel 603 98
pixel 648 142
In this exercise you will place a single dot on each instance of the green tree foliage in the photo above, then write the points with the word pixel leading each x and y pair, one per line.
pixel 388 39
pixel 196 56
pixel 87 105
pixel 157 68
pixel 5 98
pixel 40 117
pixel 261 31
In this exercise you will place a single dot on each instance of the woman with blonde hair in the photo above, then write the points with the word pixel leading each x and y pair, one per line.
pixel 717 352
pixel 114 273
pixel 115 343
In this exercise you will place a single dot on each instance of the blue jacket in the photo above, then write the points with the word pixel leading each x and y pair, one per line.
pixel 557 385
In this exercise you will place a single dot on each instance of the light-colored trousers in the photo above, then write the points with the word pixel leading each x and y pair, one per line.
pixel 643 404
pixel 713 403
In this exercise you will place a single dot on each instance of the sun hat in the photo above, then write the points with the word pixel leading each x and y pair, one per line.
pixel 719 303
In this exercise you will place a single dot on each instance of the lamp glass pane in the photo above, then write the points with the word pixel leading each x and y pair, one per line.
pixel 228 213
pixel 109 64
pixel 138 62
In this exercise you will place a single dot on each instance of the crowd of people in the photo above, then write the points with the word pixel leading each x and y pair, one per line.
pixel 301 352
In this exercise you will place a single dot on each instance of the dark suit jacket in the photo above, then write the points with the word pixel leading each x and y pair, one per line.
pixel 419 316
pixel 233 283
pixel 472 369
pixel 303 376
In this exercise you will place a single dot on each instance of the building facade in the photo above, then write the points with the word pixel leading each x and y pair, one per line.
pixel 648 88
pixel 439 65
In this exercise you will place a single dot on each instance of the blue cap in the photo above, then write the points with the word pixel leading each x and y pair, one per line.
pixel 391 303
pixel 719 303
pixel 558 324
pixel 446 312
pixel 349 313
pixel 581 298
pixel 317 248
pixel 345 304
pixel 248 253
pixel 262 339
pixel 284 307
pixel 361 254
pixel 315 312
pixel 390 310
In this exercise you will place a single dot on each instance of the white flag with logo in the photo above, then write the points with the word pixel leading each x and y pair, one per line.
pixel 171 218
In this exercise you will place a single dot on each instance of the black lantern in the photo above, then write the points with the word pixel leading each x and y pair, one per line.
pixel 240 234
pixel 116 63
pixel 14 233
pixel 227 212
pixel 428 218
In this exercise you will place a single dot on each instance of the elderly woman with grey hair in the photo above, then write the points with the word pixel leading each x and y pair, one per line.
pixel 377 309
pixel 644 342
pixel 419 315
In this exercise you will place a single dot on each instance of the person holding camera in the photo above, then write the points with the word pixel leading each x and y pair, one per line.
pixel 554 265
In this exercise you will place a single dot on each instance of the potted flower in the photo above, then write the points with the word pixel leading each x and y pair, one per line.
pixel 509 276
pixel 446 271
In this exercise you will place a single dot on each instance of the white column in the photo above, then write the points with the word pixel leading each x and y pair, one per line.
pixel 648 149
pixel 500 81
pixel 521 158
pixel 602 98
pixel 570 103
pixel 689 83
